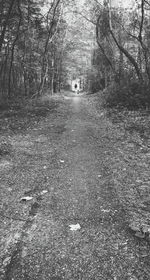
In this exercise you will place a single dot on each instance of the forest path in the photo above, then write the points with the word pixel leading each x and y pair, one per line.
pixel 67 166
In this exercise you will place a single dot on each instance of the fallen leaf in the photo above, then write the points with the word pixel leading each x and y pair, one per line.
pixel 139 234
pixel 74 227
pixel 44 192
pixel 105 210
pixel 26 198
pixel 24 252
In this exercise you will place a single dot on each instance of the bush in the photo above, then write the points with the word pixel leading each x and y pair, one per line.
pixel 132 96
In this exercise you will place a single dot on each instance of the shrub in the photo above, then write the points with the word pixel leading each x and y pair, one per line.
pixel 131 96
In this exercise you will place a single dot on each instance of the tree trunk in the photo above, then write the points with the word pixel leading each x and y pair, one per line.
pixel 101 47
pixel 43 78
pixel 12 51
pixel 53 25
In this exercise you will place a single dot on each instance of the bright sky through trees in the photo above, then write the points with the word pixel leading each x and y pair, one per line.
pixel 123 3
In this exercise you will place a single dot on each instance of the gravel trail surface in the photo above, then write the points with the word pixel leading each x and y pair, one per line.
pixel 64 215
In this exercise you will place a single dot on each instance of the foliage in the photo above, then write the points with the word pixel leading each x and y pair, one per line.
pixel 28 41
pixel 123 40
pixel 132 96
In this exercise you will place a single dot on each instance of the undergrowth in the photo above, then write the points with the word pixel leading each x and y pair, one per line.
pixel 132 96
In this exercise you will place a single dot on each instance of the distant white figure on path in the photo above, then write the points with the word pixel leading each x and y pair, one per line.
pixel 76 89
pixel 75 85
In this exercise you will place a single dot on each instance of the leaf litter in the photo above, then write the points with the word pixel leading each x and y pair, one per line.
pixel 126 183
pixel 130 134
pixel 20 152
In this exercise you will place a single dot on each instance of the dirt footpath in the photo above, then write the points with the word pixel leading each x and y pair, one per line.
pixel 70 205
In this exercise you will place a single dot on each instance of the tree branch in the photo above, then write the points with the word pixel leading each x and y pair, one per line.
pixel 128 55
pixel 85 17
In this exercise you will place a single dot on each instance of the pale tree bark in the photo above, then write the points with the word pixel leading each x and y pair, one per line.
pixel 52 81
pixel 120 60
